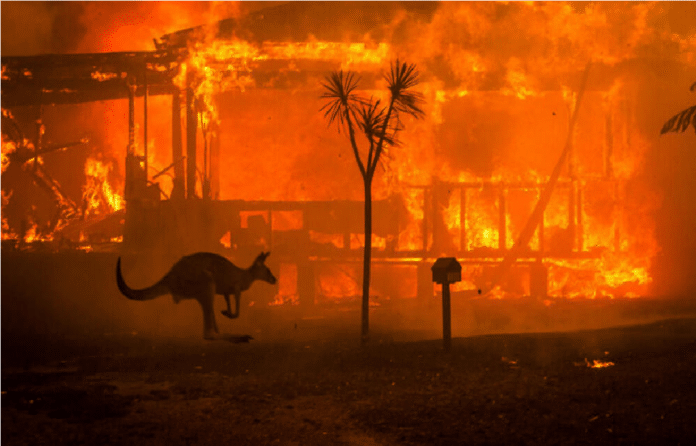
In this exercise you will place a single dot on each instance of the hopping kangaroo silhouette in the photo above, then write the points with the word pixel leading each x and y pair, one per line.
pixel 200 276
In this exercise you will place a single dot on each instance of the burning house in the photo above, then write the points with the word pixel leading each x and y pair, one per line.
pixel 212 139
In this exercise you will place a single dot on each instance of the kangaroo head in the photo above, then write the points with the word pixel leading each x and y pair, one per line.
pixel 261 271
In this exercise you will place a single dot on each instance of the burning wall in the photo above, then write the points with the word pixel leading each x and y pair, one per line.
pixel 500 81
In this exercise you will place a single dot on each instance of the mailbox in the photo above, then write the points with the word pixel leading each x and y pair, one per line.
pixel 446 270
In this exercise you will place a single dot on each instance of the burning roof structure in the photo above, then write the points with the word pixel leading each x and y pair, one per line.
pixel 213 140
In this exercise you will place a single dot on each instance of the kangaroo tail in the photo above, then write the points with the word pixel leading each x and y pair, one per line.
pixel 149 293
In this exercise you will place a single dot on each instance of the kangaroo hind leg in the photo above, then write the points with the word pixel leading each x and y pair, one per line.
pixel 207 300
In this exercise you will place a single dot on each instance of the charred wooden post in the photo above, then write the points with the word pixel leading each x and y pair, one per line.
pixel 542 246
pixel 134 174
pixel 572 194
pixel 617 216
pixel 462 219
pixel 131 117
pixel 427 206
pixel 446 270
pixel 572 217
pixel 579 230
pixel 178 189
pixel 215 163
pixel 609 147
pixel 145 123
pixel 191 129
pixel 502 222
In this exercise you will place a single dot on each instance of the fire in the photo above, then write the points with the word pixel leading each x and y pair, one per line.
pixel 8 148
pixel 226 240
pixel 595 364
pixel 358 241
pixel 466 72
pixel 598 364
pixel 217 67
pixel 101 77
pixel 97 193
pixel 349 55
pixel 517 81
pixel 7 233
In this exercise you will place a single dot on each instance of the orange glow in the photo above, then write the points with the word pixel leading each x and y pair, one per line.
pixel 324 239
pixel 286 220
pixel 595 364
pixel 8 147
pixel 7 233
pixel 339 281
pixel 97 192
pixel 287 286
pixel 358 241
pixel 274 144
pixel 226 240
pixel 101 77
pixel 350 55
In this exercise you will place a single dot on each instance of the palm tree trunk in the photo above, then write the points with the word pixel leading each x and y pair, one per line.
pixel 366 261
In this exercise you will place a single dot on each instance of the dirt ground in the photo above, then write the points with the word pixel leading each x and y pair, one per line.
pixel 493 389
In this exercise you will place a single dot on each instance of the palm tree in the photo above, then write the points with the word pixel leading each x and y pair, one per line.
pixel 681 121
pixel 379 125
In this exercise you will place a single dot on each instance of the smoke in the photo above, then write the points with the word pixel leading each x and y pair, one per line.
pixel 26 28
pixel 31 28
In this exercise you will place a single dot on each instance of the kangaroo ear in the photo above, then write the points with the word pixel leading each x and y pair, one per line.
pixel 262 257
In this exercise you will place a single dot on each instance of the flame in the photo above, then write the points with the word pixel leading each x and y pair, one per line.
pixel 358 241
pixel 226 240
pixel 217 67
pixel 97 192
pixel 595 364
pixel 7 233
pixel 350 55
pixel 338 281
pixel 101 77
pixel 8 147
pixel 517 81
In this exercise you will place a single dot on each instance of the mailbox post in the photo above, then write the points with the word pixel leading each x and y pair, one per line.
pixel 446 270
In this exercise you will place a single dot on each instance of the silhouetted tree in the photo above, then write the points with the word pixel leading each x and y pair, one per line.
pixel 379 124
pixel 681 121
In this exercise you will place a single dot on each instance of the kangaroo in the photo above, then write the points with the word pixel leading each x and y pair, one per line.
pixel 200 276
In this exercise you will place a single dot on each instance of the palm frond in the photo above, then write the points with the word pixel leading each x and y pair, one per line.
pixel 681 121
pixel 371 121
pixel 339 89
pixel 400 79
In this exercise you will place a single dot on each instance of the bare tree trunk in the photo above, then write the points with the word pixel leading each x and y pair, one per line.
pixel 366 261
